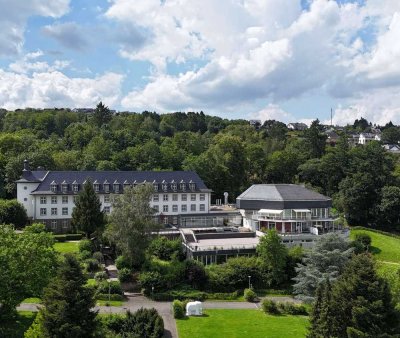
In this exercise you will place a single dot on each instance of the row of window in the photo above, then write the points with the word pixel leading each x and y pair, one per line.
pixel 184 197
pixel 53 211
pixel 174 186
pixel 64 224
pixel 183 208
pixel 54 199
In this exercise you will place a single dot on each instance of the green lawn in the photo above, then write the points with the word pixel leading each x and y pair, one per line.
pixel 109 303
pixel 241 323
pixel 385 248
pixel 32 300
pixel 16 328
pixel 66 247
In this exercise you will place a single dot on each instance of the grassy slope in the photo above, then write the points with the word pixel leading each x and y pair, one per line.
pixel 66 247
pixel 242 323
pixel 385 248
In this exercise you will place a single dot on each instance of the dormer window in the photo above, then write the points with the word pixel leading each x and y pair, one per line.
pixel 64 187
pixel 192 186
pixel 106 186
pixel 155 185
pixel 164 186
pixel 75 187
pixel 116 187
pixel 53 186
pixel 96 186
pixel 126 184
pixel 182 186
pixel 174 186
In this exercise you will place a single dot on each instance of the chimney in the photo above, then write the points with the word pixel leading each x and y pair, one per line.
pixel 226 198
pixel 26 165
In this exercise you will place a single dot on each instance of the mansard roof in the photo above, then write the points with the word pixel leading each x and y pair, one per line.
pixel 128 177
pixel 281 196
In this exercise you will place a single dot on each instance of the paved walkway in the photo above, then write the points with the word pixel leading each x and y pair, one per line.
pixel 137 301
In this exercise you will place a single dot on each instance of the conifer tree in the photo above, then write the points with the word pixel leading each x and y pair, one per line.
pixel 87 215
pixel 67 303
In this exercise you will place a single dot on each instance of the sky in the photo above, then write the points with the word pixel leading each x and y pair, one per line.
pixel 288 60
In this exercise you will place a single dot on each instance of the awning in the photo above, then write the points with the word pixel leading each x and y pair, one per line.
pixel 301 210
pixel 270 211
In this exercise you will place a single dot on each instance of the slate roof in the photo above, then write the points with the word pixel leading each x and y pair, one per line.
pixel 281 196
pixel 79 177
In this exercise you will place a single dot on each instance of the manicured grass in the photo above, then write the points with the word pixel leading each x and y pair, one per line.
pixel 16 328
pixel 384 247
pixel 66 247
pixel 32 300
pixel 91 282
pixel 242 323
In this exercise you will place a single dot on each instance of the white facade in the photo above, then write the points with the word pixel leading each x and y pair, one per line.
pixel 365 138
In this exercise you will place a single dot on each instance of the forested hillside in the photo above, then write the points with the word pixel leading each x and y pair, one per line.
pixel 229 155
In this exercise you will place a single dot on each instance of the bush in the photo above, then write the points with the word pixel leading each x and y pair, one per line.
pixel 177 308
pixel 112 296
pixel 121 262
pixel 85 245
pixel 165 248
pixel 292 308
pixel 112 322
pixel 148 280
pixel 60 238
pixel 115 287
pixel 270 307
pixel 361 243
pixel 100 276
pixel 98 256
pixel 83 255
pixel 35 228
pixel 124 275
pixel 73 237
pixel 195 274
pixel 92 265
pixel 249 295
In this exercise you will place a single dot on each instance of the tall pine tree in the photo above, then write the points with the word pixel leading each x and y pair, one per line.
pixel 87 215
pixel 359 304
pixel 67 303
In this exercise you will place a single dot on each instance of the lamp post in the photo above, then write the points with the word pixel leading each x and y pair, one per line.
pixel 249 282
pixel 152 291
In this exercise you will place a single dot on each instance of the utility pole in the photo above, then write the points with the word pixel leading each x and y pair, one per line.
pixel 331 118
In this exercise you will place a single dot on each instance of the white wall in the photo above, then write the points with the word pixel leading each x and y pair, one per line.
pixel 23 196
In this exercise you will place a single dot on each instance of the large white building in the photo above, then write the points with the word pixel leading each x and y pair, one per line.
pixel 49 196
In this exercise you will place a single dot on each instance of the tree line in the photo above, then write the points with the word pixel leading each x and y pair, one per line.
pixel 229 155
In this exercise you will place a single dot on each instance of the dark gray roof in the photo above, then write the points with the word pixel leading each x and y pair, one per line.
pixel 281 196
pixel 32 176
pixel 121 176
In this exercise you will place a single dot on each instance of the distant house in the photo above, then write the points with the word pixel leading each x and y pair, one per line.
pixel 297 126
pixel 255 123
pixel 365 138
pixel 297 213
pixel 392 148
pixel 331 137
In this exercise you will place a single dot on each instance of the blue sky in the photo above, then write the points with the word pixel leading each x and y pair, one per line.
pixel 291 60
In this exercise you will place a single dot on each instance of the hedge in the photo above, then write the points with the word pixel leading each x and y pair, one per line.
pixel 104 296
pixel 178 309
pixel 68 237
pixel 195 295
pixel 376 231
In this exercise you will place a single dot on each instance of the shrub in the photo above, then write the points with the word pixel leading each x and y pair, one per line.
pixel 292 308
pixel 165 248
pixel 60 238
pixel 121 262
pixel 148 280
pixel 100 276
pixel 115 287
pixel 73 237
pixel 195 274
pixel 85 245
pixel 361 243
pixel 249 295
pixel 98 256
pixel 112 322
pixel 124 275
pixel 112 296
pixel 177 308
pixel 92 265
pixel 85 255
pixel 270 307
pixel 35 228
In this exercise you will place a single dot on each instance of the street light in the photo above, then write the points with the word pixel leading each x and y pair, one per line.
pixel 249 282
pixel 152 292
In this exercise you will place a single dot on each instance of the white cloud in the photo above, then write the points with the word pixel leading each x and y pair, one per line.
pixel 273 112
pixel 13 17
pixel 68 34
pixel 54 89
pixel 28 64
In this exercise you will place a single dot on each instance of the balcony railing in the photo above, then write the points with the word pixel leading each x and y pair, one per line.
pixel 259 217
